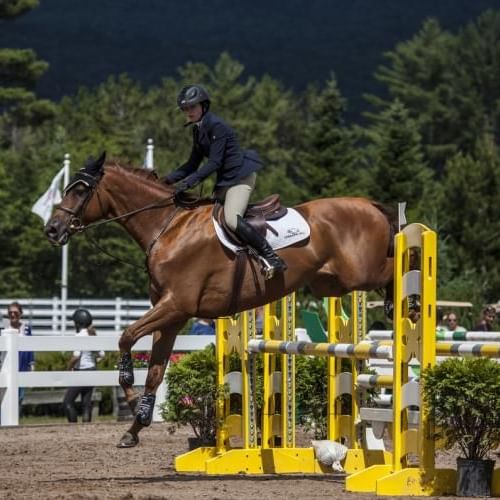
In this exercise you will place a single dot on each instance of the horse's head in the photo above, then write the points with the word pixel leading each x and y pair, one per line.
pixel 70 214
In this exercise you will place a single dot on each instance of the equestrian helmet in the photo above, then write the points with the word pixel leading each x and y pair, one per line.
pixel 82 318
pixel 193 94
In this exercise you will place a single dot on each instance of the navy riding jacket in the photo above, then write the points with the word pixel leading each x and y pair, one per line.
pixel 216 140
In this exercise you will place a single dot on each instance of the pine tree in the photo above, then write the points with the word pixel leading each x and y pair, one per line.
pixel 328 161
pixel 19 72
pixel 470 212
pixel 398 171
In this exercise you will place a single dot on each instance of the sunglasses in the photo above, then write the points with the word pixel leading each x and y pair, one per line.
pixel 14 313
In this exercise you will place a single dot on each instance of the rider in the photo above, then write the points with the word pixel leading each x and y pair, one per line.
pixel 236 169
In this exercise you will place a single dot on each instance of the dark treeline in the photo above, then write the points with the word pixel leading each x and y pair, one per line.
pixel 432 143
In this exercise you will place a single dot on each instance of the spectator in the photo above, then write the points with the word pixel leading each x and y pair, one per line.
pixel 259 321
pixel 486 323
pixel 202 326
pixel 414 311
pixel 452 323
pixel 26 358
pixel 441 321
pixel 81 360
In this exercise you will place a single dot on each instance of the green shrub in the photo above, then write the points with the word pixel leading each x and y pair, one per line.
pixel 192 393
pixel 464 401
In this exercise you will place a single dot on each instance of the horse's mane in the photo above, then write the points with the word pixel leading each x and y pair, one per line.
pixel 144 173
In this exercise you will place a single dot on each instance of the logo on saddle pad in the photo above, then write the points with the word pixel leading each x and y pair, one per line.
pixel 280 233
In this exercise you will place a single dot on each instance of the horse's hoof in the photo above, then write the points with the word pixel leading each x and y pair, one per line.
pixel 128 440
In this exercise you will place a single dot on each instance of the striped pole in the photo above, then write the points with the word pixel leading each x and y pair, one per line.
pixel 364 350
pixel 479 350
pixel 446 336
pixel 461 336
pixel 370 381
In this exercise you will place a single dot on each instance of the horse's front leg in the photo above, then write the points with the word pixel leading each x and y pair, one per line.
pixel 163 343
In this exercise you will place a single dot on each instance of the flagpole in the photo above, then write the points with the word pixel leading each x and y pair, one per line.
pixel 149 161
pixel 64 266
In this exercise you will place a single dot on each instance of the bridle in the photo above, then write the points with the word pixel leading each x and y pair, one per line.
pixel 91 182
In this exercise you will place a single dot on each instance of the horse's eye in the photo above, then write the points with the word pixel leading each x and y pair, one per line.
pixel 80 190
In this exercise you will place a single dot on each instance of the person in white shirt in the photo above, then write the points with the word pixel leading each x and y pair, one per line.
pixel 81 360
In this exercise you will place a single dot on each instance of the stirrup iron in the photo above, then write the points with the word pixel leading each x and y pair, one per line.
pixel 267 270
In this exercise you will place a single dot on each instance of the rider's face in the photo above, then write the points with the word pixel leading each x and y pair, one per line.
pixel 193 112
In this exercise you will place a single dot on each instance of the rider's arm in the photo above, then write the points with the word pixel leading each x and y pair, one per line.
pixel 188 168
pixel 218 140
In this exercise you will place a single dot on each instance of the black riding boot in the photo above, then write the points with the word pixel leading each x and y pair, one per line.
pixel 272 263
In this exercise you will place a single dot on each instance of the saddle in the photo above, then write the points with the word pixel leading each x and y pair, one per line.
pixel 256 215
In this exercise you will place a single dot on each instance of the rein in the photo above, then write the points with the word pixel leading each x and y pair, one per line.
pixel 83 229
pixel 158 204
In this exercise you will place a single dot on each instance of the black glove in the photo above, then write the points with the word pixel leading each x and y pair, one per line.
pixel 167 180
pixel 181 186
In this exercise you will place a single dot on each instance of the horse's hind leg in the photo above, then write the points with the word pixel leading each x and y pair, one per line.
pixel 163 343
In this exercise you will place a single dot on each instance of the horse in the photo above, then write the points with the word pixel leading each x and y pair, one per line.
pixel 192 275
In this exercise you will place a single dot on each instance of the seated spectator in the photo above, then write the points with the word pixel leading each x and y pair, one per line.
pixel 487 318
pixel 441 321
pixel 414 312
pixel 202 326
pixel 452 323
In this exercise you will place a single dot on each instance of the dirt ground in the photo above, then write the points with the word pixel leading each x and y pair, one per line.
pixel 80 461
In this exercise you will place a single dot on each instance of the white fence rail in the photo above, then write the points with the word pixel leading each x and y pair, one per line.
pixel 110 316
pixel 11 378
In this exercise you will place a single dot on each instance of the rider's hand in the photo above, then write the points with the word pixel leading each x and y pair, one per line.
pixel 180 187
pixel 167 180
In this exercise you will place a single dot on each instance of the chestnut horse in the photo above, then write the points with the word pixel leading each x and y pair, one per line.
pixel 192 274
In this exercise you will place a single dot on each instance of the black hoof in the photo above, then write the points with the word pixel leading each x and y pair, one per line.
pixel 126 370
pixel 144 415
pixel 128 440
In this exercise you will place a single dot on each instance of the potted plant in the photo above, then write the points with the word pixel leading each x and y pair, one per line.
pixel 463 396
pixel 192 395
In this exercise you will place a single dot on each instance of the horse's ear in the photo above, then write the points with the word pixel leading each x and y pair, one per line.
pixel 100 161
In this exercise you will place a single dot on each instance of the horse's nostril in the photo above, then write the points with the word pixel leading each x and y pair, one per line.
pixel 51 232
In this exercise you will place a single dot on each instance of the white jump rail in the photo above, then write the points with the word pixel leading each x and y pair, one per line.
pixel 11 378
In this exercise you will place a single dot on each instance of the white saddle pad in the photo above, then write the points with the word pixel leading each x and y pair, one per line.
pixel 286 231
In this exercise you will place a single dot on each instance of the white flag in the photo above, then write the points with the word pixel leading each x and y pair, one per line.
pixel 51 197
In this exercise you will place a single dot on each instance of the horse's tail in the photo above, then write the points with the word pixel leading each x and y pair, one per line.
pixel 391 218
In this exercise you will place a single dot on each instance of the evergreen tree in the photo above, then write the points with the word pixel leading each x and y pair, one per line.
pixel 329 160
pixel 420 76
pixel 471 213
pixel 19 72
pixel 398 171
